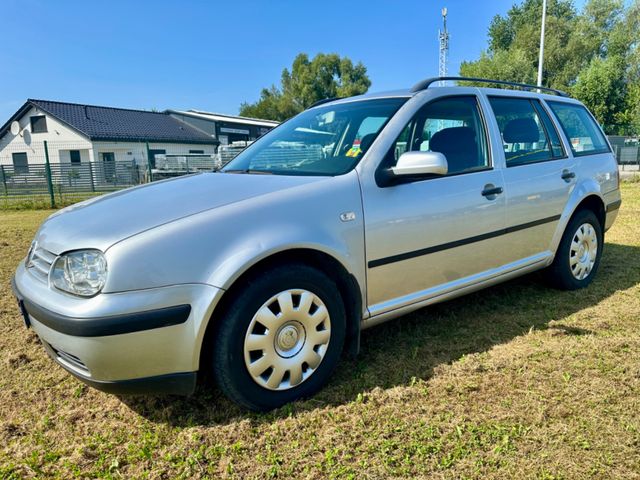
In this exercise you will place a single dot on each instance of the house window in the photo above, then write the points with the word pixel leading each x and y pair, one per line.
pixel 20 163
pixel 74 155
pixel 197 152
pixel 38 124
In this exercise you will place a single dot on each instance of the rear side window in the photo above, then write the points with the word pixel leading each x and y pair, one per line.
pixel 583 132
pixel 528 136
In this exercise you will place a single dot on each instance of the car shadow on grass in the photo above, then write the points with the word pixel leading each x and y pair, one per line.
pixel 411 347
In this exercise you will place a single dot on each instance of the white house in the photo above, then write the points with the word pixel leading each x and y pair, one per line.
pixel 76 133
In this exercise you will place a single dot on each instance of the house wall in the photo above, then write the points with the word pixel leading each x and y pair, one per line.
pixel 60 139
pixel 128 151
pixel 65 156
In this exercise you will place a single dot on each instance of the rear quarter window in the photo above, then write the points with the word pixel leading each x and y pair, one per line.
pixel 584 134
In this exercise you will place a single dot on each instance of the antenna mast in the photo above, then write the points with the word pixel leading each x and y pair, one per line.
pixel 443 35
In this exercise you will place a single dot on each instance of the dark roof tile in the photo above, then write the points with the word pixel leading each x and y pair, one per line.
pixel 119 124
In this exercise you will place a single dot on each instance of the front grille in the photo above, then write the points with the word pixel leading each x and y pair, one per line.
pixel 40 263
pixel 70 360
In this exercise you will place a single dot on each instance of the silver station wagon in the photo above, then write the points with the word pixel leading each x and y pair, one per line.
pixel 356 211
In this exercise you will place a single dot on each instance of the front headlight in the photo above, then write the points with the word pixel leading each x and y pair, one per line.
pixel 83 272
pixel 30 252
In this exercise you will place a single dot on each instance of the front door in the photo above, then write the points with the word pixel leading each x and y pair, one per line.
pixel 426 237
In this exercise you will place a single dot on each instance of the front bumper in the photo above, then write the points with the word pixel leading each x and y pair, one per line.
pixel 144 341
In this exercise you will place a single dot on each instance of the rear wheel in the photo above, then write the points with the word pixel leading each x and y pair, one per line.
pixel 578 255
pixel 280 338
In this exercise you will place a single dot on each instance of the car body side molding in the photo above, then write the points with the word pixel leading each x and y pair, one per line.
pixel 458 243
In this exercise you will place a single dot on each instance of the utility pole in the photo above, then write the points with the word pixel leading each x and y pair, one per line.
pixel 541 58
pixel 443 36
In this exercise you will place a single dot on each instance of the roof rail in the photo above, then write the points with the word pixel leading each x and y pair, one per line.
pixel 324 100
pixel 424 84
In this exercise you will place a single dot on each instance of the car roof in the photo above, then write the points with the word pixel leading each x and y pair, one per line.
pixel 418 89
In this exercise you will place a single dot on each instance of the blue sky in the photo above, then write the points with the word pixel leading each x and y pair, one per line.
pixel 215 55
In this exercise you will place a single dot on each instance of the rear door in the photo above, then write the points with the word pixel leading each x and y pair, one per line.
pixel 539 175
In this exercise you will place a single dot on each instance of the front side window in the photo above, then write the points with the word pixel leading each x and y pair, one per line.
pixel 20 163
pixel 526 137
pixel 38 124
pixel 452 126
pixel 583 132
pixel 328 140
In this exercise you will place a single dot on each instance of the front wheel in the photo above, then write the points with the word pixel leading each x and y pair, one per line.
pixel 280 338
pixel 578 255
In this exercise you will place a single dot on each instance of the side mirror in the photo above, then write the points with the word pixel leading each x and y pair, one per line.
pixel 421 163
pixel 414 165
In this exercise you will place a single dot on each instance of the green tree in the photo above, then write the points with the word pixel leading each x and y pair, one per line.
pixel 602 88
pixel 324 76
pixel 592 54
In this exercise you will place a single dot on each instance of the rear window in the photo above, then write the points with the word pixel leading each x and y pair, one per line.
pixel 584 134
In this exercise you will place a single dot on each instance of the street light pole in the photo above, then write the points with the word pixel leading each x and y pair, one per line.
pixel 541 58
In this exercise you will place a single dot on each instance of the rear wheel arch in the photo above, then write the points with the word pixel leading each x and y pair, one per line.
pixel 346 282
pixel 595 204
pixel 590 201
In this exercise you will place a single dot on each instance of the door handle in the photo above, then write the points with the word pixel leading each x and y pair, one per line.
pixel 490 190
pixel 568 175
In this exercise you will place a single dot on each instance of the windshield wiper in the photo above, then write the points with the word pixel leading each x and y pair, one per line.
pixel 248 170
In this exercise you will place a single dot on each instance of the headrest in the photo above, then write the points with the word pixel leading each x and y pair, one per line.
pixel 451 139
pixel 521 130
pixel 366 141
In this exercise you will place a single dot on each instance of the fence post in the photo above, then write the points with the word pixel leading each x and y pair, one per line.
pixel 4 180
pixel 93 186
pixel 187 160
pixel 47 169
pixel 149 163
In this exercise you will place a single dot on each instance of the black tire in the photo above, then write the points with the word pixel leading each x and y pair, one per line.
pixel 229 369
pixel 559 274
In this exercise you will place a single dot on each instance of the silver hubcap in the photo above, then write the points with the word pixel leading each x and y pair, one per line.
pixel 584 249
pixel 287 339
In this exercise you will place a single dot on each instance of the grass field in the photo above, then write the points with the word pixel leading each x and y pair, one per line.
pixel 517 381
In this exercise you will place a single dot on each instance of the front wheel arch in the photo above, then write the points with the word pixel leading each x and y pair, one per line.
pixel 348 287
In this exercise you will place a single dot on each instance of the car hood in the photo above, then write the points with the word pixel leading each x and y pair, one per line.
pixel 104 221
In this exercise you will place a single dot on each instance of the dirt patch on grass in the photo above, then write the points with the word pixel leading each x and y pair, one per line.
pixel 517 381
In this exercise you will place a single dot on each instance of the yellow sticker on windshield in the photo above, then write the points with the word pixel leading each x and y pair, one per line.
pixel 354 151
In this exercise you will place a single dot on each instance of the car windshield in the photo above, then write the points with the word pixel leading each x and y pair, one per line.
pixel 326 140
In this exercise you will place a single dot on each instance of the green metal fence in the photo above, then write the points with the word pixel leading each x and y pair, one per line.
pixel 64 183
pixel 49 178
